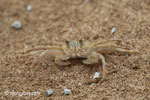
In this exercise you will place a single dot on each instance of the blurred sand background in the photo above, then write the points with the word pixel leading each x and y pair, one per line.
pixel 59 20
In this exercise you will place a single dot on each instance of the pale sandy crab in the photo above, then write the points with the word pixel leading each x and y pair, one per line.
pixel 91 51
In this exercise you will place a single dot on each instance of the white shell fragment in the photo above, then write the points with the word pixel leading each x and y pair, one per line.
pixel 86 0
pixel 49 92
pixel 96 75
pixel 67 91
pixel 16 25
pixel 29 8
pixel 113 30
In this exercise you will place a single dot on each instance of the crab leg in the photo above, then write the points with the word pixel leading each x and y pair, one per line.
pixel 43 48
pixel 107 42
pixel 113 48
pixel 124 50
pixel 54 43
pixel 30 54
pixel 61 60
pixel 36 60
pixel 103 64
pixel 109 46
pixel 94 58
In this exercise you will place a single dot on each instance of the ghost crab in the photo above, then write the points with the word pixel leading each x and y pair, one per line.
pixel 92 51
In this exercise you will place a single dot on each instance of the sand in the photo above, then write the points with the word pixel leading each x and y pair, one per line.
pixel 60 20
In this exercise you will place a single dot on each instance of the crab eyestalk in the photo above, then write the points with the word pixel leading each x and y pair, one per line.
pixel 81 43
pixel 67 44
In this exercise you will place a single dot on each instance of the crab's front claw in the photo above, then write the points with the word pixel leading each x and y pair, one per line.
pixel 61 60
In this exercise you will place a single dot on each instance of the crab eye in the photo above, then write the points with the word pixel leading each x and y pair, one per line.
pixel 81 42
pixel 67 44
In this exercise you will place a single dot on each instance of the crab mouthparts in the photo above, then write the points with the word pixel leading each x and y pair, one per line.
pixel 76 53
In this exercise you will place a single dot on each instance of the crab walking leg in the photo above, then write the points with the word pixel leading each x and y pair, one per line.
pixel 103 64
pixel 54 43
pixel 43 48
pixel 36 60
pixel 94 58
pixel 103 46
pixel 59 60
pixel 30 54
pixel 107 42
pixel 111 49
pixel 126 51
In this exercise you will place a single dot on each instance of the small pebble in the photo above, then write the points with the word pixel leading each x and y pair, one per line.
pixel 67 91
pixel 49 92
pixel 113 30
pixel 86 0
pixel 29 8
pixel 96 75
pixel 16 25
